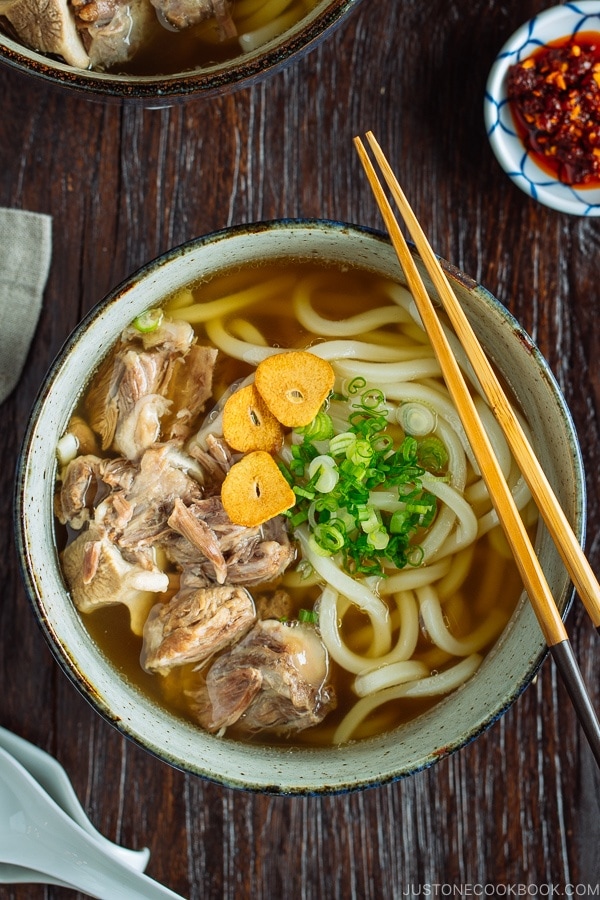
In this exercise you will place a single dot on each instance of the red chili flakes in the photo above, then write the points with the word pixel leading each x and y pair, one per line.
pixel 555 98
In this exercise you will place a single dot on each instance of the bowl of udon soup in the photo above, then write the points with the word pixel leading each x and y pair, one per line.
pixel 160 51
pixel 252 528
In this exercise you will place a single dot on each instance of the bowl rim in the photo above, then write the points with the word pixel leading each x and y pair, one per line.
pixel 242 71
pixel 314 784
pixel 549 25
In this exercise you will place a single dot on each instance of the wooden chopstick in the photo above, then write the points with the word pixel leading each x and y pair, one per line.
pixel 526 559
pixel 550 509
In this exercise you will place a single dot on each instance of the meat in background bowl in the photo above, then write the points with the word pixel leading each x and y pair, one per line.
pixel 453 721
pixel 229 44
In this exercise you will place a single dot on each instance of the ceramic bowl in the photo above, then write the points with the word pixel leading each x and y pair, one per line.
pixel 456 720
pixel 559 22
pixel 161 90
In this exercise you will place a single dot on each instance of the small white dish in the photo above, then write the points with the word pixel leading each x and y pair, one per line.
pixel 551 25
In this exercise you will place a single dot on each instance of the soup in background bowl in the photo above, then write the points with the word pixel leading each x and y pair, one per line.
pixel 158 51
pixel 358 740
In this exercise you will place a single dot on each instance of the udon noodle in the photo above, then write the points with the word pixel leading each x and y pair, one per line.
pixel 401 630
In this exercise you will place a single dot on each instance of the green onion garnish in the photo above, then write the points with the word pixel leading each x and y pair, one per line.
pixel 148 321
pixel 356 385
pixel 336 486
pixel 308 615
pixel 432 454
pixel 320 429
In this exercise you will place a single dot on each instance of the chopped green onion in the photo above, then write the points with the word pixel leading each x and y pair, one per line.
pixel 432 454
pixel 327 481
pixel 339 443
pixel 324 502
pixel 330 537
pixel 371 399
pixel 337 482
pixel 325 469
pixel 309 616
pixel 414 557
pixel 369 519
pixel 416 418
pixel 382 443
pixel 348 521
pixel 379 538
pixel 303 492
pixel 359 452
pixel 304 569
pixel 286 473
pixel 298 518
pixel 320 429
pixel 148 321
pixel 409 449
pixel 397 522
pixel 356 385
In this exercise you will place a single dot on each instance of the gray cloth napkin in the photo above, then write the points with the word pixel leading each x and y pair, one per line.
pixel 25 251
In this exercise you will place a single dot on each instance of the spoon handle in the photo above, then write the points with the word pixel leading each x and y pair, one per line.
pixel 35 832
pixel 12 874
pixel 103 878
pixel 55 781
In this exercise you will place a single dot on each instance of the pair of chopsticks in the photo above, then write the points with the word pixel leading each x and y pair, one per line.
pixel 577 565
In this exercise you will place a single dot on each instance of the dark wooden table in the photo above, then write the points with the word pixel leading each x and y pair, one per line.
pixel 520 806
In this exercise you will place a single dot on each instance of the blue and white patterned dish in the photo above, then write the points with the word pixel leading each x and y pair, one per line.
pixel 550 25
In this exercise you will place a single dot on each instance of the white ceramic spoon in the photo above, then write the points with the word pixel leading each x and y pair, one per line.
pixel 10 874
pixel 35 833
pixel 55 781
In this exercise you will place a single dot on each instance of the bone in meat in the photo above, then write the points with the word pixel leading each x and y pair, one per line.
pixel 274 680
pixel 47 26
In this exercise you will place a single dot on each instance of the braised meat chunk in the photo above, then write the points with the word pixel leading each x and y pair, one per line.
pixel 47 26
pixel 85 481
pixel 275 605
pixel 98 574
pixel 133 391
pixel 274 680
pixel 112 30
pixel 183 13
pixel 139 516
pixel 189 389
pixel 205 537
pixel 195 625
pixel 216 459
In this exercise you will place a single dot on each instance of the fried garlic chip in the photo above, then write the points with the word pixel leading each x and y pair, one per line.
pixel 248 424
pixel 294 385
pixel 255 491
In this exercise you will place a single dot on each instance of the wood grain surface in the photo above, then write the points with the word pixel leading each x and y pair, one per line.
pixel 517 812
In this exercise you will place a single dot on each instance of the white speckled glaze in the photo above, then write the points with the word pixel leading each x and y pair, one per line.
pixel 552 24
pixel 459 718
